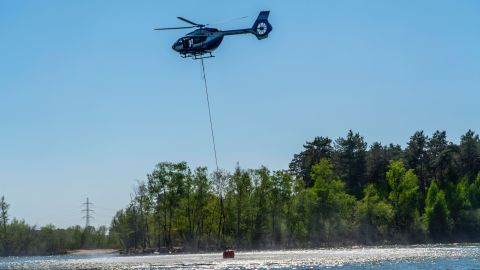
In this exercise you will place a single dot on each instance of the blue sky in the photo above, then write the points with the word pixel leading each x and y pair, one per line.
pixel 91 98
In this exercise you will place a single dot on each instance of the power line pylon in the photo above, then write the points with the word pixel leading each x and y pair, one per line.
pixel 88 210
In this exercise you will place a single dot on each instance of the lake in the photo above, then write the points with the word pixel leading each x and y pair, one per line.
pixel 465 256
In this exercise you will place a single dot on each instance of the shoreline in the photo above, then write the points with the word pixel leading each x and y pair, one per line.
pixel 425 257
pixel 92 252
pixel 117 252
pixel 96 252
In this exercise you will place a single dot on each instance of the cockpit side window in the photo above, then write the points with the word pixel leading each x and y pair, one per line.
pixel 186 43
pixel 199 39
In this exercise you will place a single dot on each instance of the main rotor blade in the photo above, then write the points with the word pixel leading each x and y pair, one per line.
pixel 190 22
pixel 172 28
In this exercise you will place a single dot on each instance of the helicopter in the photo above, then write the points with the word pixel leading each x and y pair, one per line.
pixel 204 40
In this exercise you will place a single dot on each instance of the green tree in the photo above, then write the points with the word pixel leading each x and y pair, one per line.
pixel 474 192
pixel 417 157
pixel 279 202
pixel 76 237
pixel 120 226
pixel 141 204
pixel 437 215
pixel 404 196
pixel 201 196
pixel 185 225
pixel 314 151
pixel 374 216
pixel 219 185
pixel 440 156
pixel 51 242
pixel 467 214
pixel 22 238
pixel 241 188
pixel 350 161
pixel 377 165
pixel 4 241
pixel 263 185
pixel 166 184
pixel 394 152
pixel 300 223
pixel 470 154
pixel 334 208
pixel 157 188
pixel 457 197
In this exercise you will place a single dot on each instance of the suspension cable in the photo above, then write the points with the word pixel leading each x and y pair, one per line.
pixel 209 114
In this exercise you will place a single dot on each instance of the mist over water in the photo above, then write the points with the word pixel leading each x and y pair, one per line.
pixel 412 257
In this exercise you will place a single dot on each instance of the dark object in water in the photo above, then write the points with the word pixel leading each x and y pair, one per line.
pixel 228 253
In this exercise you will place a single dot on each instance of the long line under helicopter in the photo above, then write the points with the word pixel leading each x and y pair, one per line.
pixel 204 40
pixel 209 113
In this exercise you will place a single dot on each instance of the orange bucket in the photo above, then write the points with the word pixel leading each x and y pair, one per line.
pixel 228 253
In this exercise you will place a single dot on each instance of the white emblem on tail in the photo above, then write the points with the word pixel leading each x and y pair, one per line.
pixel 262 28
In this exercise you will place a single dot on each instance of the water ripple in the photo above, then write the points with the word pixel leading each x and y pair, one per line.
pixel 412 257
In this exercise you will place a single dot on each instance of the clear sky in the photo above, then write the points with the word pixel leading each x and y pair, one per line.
pixel 91 98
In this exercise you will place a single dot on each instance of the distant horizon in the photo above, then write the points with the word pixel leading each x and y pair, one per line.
pixel 92 98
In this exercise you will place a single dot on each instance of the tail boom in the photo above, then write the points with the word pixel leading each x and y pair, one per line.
pixel 261 27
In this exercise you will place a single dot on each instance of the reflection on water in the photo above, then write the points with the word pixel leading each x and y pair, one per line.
pixel 404 258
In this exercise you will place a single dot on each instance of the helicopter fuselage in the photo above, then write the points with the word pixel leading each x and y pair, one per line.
pixel 205 40
pixel 198 42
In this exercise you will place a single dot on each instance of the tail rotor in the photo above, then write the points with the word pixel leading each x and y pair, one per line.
pixel 261 28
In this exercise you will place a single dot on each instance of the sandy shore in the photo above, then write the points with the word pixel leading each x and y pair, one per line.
pixel 92 251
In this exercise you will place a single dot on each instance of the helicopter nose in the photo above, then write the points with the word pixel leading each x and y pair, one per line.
pixel 176 47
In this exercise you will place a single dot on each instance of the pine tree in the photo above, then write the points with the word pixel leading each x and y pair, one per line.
pixel 417 158
pixel 470 154
pixel 302 163
pixel 377 165
pixel 350 161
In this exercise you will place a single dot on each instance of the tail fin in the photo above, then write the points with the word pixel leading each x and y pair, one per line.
pixel 262 27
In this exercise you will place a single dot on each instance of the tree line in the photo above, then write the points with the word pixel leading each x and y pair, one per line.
pixel 336 192
pixel 17 238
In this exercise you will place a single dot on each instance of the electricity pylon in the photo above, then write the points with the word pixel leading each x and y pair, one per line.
pixel 88 210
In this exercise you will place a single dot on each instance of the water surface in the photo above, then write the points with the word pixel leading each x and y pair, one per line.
pixel 404 258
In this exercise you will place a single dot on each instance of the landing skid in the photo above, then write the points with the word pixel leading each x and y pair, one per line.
pixel 196 56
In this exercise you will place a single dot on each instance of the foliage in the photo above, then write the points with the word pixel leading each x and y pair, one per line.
pixel 417 158
pixel 404 194
pixel 470 154
pixel 350 161
pixel 437 215
pixel 333 206
pixel 23 239
pixel 335 193
pixel 4 241
pixel 374 216
pixel 302 163
pixel 474 192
